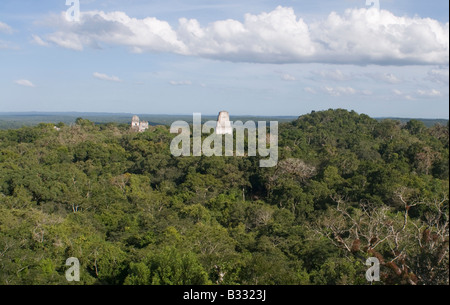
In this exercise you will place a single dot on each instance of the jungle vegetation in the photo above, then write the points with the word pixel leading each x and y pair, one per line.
pixel 347 187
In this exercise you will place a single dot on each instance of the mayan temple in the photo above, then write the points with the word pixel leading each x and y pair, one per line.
pixel 137 125
pixel 223 124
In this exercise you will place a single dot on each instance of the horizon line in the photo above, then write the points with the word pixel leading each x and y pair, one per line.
pixel 185 114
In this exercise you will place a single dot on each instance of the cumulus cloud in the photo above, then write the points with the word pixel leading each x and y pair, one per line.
pixel 115 28
pixel 358 36
pixel 102 76
pixel 25 83
pixel 380 37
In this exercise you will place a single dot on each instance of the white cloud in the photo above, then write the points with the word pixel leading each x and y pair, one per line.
pixel 403 95
pixel 6 45
pixel 180 83
pixel 429 93
pixel 106 77
pixel 420 93
pixel 5 28
pixel 25 83
pixel 389 78
pixel 380 37
pixel 359 36
pixel 115 28
pixel 334 75
pixel 288 77
pixel 68 40
pixel 397 92
pixel 339 91
pixel 38 40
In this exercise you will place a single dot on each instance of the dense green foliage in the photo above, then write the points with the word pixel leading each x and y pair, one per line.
pixel 134 214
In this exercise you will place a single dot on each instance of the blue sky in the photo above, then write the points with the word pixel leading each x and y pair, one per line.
pixel 247 57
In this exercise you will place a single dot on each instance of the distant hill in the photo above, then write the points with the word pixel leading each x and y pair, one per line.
pixel 13 120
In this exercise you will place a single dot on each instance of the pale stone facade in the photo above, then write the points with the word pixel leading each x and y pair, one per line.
pixel 223 124
pixel 137 125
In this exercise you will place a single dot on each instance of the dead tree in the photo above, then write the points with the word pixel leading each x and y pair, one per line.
pixel 411 251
